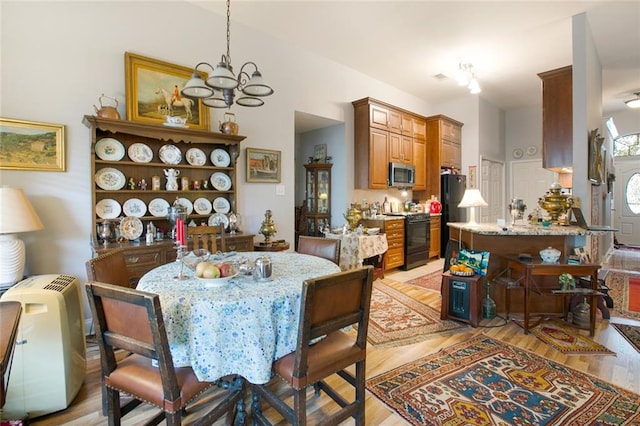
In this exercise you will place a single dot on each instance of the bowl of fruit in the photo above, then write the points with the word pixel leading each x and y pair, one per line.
pixel 194 257
pixel 461 270
pixel 215 274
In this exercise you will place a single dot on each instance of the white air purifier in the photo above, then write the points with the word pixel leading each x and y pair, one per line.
pixel 49 361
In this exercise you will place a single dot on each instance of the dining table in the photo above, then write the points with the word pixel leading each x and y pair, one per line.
pixel 239 327
pixel 355 248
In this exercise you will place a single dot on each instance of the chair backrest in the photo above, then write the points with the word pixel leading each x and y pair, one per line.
pixel 331 303
pixel 132 320
pixel 329 248
pixel 109 267
pixel 9 319
pixel 205 237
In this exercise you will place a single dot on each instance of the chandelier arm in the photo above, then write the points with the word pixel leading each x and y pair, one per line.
pixel 229 31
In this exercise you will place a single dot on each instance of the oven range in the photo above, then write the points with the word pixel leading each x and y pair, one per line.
pixel 416 238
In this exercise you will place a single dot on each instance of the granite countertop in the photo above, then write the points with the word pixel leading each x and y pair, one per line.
pixel 491 229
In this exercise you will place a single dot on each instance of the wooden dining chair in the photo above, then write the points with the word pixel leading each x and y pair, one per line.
pixel 328 248
pixel 132 320
pixel 204 237
pixel 110 267
pixel 329 304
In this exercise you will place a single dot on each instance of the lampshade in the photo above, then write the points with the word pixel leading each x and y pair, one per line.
pixel 16 215
pixel 472 199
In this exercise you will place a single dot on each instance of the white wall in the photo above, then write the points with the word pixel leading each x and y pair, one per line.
pixel 58 57
pixel 523 129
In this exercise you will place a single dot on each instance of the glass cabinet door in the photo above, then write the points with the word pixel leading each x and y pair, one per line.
pixel 323 191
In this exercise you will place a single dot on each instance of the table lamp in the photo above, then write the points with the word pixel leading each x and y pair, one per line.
pixel 16 215
pixel 472 199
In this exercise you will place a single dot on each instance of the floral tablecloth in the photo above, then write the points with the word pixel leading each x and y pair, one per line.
pixel 355 248
pixel 240 328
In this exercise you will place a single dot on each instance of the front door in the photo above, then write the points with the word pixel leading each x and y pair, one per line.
pixel 626 200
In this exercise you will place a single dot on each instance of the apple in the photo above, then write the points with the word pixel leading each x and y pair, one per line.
pixel 226 270
pixel 200 267
pixel 211 271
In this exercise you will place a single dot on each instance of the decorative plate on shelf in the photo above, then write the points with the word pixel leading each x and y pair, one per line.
pixel 186 203
pixel 221 205
pixel 220 158
pixel 131 228
pixel 170 154
pixel 159 207
pixel 109 149
pixel 134 207
pixel 218 218
pixel 202 206
pixel 196 157
pixel 108 209
pixel 110 179
pixel 517 153
pixel 140 153
pixel 221 181
pixel 532 150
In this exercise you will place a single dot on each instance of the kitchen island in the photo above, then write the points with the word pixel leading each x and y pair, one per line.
pixel 510 241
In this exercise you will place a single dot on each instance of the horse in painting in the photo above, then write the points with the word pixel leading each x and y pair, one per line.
pixel 171 103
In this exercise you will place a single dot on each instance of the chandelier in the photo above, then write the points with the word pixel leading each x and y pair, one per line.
pixel 219 90
pixel 466 76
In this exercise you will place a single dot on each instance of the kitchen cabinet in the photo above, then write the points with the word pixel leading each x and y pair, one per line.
pixel 557 119
pixel 126 153
pixel 434 241
pixel 318 196
pixel 394 231
pixel 420 163
pixel 384 134
pixel 444 149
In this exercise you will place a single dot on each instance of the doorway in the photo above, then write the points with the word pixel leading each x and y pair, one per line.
pixel 626 200
pixel 529 181
pixel 492 190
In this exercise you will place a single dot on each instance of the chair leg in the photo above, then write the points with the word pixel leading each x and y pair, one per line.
pixel 174 419
pixel 360 393
pixel 300 406
pixel 113 406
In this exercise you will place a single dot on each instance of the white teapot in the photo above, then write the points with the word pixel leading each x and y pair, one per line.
pixel 172 179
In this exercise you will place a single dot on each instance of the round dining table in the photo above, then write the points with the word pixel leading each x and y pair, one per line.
pixel 240 327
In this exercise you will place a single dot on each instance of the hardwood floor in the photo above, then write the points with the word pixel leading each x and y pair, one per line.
pixel 622 369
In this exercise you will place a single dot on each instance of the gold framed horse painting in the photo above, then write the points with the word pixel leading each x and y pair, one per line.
pixel 152 89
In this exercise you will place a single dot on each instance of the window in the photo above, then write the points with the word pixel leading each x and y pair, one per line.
pixel 627 145
pixel 632 193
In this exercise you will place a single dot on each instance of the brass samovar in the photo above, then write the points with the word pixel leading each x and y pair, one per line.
pixel 555 203
pixel 268 227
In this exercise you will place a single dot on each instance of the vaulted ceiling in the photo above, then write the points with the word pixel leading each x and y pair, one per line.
pixel 416 46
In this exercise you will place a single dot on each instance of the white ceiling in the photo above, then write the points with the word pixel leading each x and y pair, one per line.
pixel 407 44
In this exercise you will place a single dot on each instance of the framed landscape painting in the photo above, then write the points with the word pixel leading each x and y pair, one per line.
pixel 263 165
pixel 30 145
pixel 152 89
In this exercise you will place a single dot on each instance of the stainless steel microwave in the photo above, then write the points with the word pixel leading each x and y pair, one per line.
pixel 401 175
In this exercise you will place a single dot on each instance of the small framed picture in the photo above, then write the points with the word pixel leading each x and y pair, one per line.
pixel 473 177
pixel 320 153
pixel 31 145
pixel 263 165
pixel 152 89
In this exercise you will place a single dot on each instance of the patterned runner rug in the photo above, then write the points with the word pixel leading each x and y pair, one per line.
pixel 568 340
pixel 629 332
pixel 624 289
pixel 431 281
pixel 396 319
pixel 487 382
pixel 622 260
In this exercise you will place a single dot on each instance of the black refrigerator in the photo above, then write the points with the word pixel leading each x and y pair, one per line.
pixel 451 191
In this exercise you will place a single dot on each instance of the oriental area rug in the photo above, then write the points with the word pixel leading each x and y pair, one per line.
pixel 624 289
pixel 568 340
pixel 629 332
pixel 431 281
pixel 483 381
pixel 397 319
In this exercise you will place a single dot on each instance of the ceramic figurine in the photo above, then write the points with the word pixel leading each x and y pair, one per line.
pixel 143 184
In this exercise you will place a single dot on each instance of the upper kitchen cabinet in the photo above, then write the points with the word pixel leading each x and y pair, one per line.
pixel 444 149
pixel 384 134
pixel 557 119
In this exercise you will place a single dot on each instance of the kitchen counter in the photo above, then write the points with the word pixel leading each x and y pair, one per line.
pixel 489 229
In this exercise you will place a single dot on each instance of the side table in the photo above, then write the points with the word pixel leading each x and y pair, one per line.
pixel 275 246
pixel 461 298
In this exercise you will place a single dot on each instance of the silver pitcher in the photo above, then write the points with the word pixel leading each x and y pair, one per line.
pixel 516 210
pixel 262 269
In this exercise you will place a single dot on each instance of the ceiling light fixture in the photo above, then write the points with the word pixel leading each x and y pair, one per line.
pixel 635 102
pixel 466 76
pixel 218 91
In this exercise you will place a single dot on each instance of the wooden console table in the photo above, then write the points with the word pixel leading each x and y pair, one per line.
pixel 532 269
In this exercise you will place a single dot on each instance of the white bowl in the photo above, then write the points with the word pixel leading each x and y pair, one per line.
pixel 550 255
pixel 373 231
pixel 215 282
